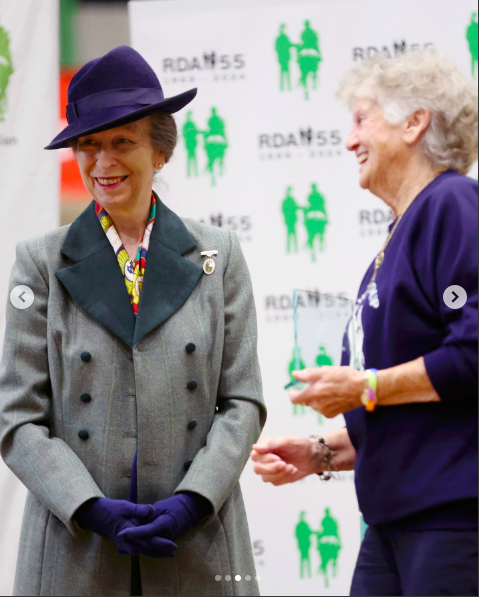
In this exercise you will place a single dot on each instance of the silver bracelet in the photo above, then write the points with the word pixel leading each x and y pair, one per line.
pixel 328 456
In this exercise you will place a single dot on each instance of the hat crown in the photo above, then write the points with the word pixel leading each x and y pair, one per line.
pixel 122 68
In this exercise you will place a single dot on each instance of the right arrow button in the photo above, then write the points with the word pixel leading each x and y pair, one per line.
pixel 455 297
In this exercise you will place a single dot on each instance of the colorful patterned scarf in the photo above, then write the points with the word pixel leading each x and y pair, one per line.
pixel 133 273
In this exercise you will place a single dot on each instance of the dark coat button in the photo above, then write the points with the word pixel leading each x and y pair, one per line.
pixel 85 397
pixel 187 464
pixel 85 357
pixel 190 348
pixel 192 384
pixel 83 434
pixel 192 424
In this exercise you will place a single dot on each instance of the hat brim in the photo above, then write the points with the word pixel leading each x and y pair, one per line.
pixel 109 118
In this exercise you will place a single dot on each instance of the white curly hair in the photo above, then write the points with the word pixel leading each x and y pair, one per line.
pixel 422 79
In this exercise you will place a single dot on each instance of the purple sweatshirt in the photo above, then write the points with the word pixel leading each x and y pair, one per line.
pixel 414 457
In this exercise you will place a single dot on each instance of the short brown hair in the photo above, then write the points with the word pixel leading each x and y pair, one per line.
pixel 163 133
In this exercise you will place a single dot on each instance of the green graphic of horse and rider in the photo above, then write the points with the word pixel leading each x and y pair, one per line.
pixel 308 57
pixel 472 34
pixel 328 546
pixel 315 221
pixel 6 70
pixel 215 144
pixel 297 364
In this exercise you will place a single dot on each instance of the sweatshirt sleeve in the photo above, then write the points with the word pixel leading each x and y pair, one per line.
pixel 452 260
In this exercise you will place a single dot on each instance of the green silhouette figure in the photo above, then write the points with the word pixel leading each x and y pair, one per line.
pixel 303 536
pixel 298 409
pixel 315 221
pixel 324 360
pixel 309 58
pixel 6 70
pixel 216 145
pixel 283 50
pixel 190 136
pixel 363 526
pixel 290 212
pixel 329 546
pixel 472 35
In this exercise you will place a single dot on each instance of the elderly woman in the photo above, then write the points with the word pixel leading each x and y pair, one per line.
pixel 130 392
pixel 409 389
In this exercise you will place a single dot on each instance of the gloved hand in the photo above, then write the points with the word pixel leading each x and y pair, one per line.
pixel 172 518
pixel 108 518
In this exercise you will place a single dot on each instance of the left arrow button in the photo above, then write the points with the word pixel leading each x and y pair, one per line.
pixel 22 297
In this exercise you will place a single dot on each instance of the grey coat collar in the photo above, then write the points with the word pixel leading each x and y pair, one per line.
pixel 96 284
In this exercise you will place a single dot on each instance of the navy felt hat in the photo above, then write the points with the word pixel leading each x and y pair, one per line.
pixel 118 88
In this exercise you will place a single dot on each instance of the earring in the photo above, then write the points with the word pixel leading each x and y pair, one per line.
pixel 160 166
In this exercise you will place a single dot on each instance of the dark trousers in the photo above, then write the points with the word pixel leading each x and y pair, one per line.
pixel 135 587
pixel 417 563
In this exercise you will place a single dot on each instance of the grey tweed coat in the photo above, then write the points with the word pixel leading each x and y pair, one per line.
pixel 79 340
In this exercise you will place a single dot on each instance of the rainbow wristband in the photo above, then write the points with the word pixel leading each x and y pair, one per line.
pixel 369 398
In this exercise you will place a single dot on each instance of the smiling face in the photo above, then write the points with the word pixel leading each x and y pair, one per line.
pixel 118 166
pixel 380 146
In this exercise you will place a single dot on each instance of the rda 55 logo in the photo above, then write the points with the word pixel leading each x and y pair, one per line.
pixel 242 225
pixel 307 141
pixel 393 50
pixel 374 222
pixel 223 67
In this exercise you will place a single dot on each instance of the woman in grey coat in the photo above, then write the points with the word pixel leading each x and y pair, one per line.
pixel 130 391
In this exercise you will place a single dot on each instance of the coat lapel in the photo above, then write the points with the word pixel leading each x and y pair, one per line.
pixel 169 277
pixel 95 281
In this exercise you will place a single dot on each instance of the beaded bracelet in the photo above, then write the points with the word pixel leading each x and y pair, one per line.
pixel 328 456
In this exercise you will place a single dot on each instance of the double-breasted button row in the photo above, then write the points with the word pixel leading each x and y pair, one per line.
pixel 192 424
pixel 83 434
pixel 192 384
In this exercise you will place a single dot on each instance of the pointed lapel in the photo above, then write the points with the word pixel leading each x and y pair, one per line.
pixel 95 281
pixel 169 277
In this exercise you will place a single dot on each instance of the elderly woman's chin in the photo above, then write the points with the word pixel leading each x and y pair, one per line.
pixel 110 194
pixel 364 175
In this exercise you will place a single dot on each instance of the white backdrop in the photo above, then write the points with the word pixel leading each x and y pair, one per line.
pixel 275 140
pixel 29 181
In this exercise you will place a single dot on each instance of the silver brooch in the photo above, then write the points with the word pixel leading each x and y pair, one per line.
pixel 209 265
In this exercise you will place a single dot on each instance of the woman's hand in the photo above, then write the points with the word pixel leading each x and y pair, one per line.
pixel 282 460
pixel 333 390
pixel 170 519
pixel 109 518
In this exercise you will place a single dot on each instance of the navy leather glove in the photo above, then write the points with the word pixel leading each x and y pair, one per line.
pixel 172 518
pixel 109 518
